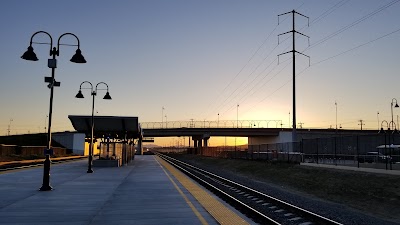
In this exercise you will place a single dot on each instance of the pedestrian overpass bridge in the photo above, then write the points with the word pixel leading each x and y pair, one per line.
pixel 257 131
pixel 200 136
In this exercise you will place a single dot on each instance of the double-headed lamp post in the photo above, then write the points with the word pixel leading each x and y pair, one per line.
pixel 52 63
pixel 388 125
pixel 94 93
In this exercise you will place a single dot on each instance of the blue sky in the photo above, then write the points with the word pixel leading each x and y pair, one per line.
pixel 181 55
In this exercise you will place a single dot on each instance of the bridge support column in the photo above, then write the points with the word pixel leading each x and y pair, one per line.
pixel 194 144
pixel 197 142
pixel 206 141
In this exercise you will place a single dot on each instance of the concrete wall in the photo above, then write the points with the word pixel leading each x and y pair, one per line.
pixel 286 136
pixel 283 137
pixel 74 142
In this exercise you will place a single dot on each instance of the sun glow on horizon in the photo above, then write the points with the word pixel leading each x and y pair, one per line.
pixel 212 142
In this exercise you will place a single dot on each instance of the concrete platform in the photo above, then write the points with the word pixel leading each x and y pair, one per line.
pixel 141 193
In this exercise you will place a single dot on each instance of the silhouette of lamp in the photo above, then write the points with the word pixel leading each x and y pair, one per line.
pixel 51 63
pixel 93 93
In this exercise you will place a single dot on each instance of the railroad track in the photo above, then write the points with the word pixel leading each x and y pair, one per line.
pixel 15 165
pixel 262 208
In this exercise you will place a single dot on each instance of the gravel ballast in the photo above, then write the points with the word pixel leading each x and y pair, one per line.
pixel 336 211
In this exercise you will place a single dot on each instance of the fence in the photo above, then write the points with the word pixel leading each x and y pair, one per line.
pixel 354 150
pixel 372 151
pixel 280 151
pixel 213 124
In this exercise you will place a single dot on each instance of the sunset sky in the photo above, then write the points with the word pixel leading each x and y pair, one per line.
pixel 198 59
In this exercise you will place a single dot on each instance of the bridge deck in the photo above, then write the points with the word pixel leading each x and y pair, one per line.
pixel 144 192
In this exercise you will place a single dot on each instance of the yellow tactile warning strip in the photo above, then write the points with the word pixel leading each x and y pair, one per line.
pixel 219 211
pixel 196 212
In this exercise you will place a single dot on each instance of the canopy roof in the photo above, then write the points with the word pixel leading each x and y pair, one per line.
pixel 113 126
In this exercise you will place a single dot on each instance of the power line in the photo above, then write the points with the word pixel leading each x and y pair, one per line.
pixel 263 85
pixel 319 18
pixel 294 51
pixel 341 30
pixel 329 11
pixel 247 64
pixel 240 71
pixel 358 46
pixel 326 59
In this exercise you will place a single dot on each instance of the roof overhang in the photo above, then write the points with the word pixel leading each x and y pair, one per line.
pixel 113 126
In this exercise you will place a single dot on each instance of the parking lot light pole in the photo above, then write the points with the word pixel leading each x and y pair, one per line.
pixel 391 107
pixel 93 93
pixel 384 132
pixel 52 63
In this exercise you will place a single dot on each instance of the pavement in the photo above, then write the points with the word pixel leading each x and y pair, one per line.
pixel 354 168
pixel 142 192
pixel 145 192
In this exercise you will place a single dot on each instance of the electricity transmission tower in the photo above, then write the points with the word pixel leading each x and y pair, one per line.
pixel 293 51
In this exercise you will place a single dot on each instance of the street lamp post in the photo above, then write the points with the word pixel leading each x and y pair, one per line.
pixel 93 93
pixel 52 63
pixel 391 107
pixel 388 125
pixel 377 116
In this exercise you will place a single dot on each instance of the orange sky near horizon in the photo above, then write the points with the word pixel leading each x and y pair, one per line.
pixel 213 141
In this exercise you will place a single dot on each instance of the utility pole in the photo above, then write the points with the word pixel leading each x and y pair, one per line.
pixel 293 51
pixel 191 123
pixel 9 127
pixel 162 117
pixel 361 123
pixel 237 116
pixel 336 114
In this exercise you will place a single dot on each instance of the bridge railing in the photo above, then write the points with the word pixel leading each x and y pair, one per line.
pixel 213 124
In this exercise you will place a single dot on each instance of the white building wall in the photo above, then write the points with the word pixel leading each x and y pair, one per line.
pixel 71 141
pixel 283 137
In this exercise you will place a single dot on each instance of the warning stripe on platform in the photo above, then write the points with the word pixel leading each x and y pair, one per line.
pixel 219 211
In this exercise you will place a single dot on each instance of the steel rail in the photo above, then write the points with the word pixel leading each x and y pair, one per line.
pixel 311 217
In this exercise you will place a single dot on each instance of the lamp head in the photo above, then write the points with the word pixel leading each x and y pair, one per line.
pixel 396 106
pixel 78 57
pixel 79 95
pixel 30 55
pixel 107 96
pixel 381 131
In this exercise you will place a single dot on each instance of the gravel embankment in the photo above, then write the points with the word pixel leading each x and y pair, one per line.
pixel 337 212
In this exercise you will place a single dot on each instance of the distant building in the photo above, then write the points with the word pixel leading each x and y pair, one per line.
pixel 72 141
